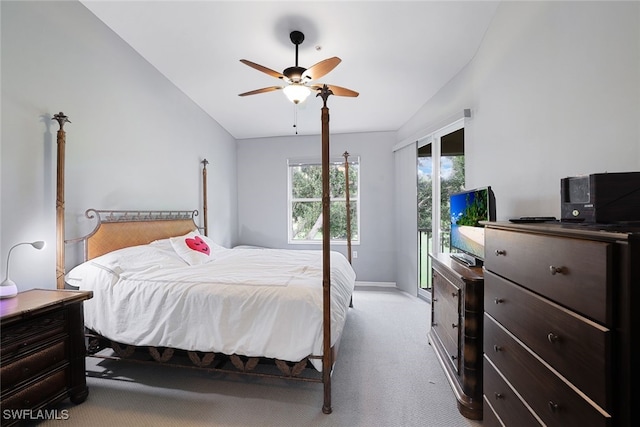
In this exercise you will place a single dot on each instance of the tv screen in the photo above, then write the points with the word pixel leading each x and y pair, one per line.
pixel 468 208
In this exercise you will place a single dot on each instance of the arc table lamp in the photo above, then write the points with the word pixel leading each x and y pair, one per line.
pixel 8 288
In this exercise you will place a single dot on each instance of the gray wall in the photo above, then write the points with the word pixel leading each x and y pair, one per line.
pixel 554 91
pixel 262 195
pixel 135 141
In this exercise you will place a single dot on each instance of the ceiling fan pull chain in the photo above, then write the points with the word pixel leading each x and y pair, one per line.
pixel 295 117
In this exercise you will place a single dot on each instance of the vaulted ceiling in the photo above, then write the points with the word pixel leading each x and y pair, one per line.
pixel 396 54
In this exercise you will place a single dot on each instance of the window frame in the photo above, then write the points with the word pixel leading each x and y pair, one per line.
pixel 353 200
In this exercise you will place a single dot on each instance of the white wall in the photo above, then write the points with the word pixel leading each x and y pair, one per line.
pixel 262 195
pixel 135 141
pixel 554 91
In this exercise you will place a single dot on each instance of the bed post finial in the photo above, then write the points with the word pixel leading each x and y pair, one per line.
pixel 205 162
pixel 61 119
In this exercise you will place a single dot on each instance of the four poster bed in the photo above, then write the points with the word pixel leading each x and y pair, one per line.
pixel 164 292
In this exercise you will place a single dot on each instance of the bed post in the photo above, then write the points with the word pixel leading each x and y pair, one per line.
pixel 205 162
pixel 348 203
pixel 347 184
pixel 327 356
pixel 60 267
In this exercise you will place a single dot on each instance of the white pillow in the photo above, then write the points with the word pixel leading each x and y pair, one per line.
pixel 193 248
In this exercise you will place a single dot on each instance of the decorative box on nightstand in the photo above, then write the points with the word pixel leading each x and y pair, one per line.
pixel 42 352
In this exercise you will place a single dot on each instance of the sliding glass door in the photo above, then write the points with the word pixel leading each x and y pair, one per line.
pixel 440 170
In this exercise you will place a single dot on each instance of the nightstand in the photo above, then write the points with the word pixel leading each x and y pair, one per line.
pixel 42 352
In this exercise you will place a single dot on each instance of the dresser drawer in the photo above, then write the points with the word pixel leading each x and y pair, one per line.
pixel 576 347
pixel 40 392
pixel 31 365
pixel 504 401
pixel 19 337
pixel 553 400
pixel 572 272
pixel 489 418
pixel 446 317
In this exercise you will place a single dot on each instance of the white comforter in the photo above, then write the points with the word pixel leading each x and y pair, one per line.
pixel 252 302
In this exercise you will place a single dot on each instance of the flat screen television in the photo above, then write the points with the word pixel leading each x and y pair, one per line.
pixel 467 209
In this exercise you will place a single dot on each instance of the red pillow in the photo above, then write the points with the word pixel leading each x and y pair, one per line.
pixel 193 248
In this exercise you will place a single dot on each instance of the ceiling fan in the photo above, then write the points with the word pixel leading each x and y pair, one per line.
pixel 298 79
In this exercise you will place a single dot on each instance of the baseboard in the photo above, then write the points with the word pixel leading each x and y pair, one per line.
pixel 360 284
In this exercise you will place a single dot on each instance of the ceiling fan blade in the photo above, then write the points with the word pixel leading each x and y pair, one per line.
pixel 321 68
pixel 337 90
pixel 266 70
pixel 263 90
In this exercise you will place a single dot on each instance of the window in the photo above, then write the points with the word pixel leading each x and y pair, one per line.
pixel 305 200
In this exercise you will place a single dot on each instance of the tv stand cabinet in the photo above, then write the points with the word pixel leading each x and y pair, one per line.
pixel 456 329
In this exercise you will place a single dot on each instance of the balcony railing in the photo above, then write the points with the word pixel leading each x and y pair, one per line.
pixel 425 247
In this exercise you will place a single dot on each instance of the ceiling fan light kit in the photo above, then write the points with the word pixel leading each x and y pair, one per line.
pixel 296 92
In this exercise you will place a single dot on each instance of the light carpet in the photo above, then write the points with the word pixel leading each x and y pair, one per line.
pixel 386 375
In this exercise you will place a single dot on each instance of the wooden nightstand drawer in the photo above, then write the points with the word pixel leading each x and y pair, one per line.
pixel 552 399
pixel 573 345
pixel 34 364
pixel 572 272
pixel 41 391
pixel 504 401
pixel 18 337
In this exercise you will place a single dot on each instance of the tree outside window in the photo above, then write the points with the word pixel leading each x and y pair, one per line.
pixel 305 201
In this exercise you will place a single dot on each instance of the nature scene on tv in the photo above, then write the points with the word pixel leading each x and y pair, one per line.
pixel 467 210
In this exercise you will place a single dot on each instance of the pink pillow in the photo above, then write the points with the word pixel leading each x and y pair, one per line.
pixel 193 248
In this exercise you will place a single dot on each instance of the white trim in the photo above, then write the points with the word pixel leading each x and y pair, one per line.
pixel 355 160
pixel 360 284
pixel 434 128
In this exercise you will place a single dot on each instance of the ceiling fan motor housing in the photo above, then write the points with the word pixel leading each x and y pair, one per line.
pixel 294 73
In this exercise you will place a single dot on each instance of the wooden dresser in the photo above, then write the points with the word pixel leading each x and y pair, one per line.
pixel 456 329
pixel 42 353
pixel 558 325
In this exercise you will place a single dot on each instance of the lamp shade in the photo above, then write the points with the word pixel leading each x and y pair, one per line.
pixel 8 288
pixel 296 92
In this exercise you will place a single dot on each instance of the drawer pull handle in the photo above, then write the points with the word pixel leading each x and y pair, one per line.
pixel 556 270
pixel 498 395
pixel 453 325
pixel 498 300
pixel 553 407
pixel 500 252
pixel 434 299
pixel 454 294
pixel 453 357
pixel 497 348
pixel 553 338
pixel 434 324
